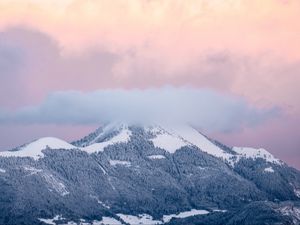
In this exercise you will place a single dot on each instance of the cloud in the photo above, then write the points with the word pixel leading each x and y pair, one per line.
pixel 204 108
pixel 32 65
pixel 9 60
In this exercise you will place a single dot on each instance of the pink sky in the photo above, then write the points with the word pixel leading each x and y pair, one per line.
pixel 248 48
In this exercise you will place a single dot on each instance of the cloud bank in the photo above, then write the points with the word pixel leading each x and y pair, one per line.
pixel 204 108
pixel 32 66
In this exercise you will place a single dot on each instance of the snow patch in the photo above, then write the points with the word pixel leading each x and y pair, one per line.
pixel 102 169
pixel 100 202
pixel 269 170
pixel 51 221
pixel 31 170
pixel 119 162
pixel 193 212
pixel 107 221
pixel 55 184
pixel 297 192
pixel 2 170
pixel 168 142
pixel 103 204
pixel 291 211
pixel 220 210
pixel 201 168
pixel 254 153
pixel 156 157
pixel 47 221
pixel 35 149
pixel 122 137
pixel 107 129
pixel 194 137
pixel 143 219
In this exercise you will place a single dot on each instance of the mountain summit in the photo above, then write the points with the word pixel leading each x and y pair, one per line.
pixel 154 174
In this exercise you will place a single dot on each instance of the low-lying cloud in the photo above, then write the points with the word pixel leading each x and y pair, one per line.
pixel 204 108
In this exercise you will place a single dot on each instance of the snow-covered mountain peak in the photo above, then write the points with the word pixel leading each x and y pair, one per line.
pixel 109 136
pixel 102 134
pixel 172 138
pixel 183 135
pixel 254 153
pixel 34 149
pixel 184 177
pixel 164 136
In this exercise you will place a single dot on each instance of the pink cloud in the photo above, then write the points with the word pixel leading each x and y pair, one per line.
pixel 245 47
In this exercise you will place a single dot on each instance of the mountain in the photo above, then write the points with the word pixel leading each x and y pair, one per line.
pixel 154 174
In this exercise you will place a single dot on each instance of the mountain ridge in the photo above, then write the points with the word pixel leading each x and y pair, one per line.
pixel 154 174
pixel 103 135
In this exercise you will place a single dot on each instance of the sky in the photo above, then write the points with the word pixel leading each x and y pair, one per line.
pixel 231 67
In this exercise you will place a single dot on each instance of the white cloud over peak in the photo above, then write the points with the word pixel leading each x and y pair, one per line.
pixel 204 108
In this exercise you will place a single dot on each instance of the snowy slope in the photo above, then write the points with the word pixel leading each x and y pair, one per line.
pixel 166 139
pixel 194 137
pixel 34 149
pixel 143 219
pixel 253 153
pixel 122 137
pixel 186 214
pixel 172 138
